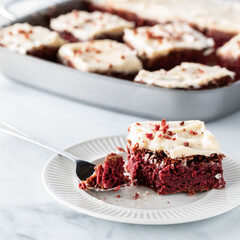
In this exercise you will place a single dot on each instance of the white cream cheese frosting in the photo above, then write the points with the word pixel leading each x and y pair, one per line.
pixel 87 26
pixel 221 16
pixel 187 75
pixel 23 37
pixel 211 14
pixel 231 49
pixel 177 139
pixel 162 39
pixel 101 56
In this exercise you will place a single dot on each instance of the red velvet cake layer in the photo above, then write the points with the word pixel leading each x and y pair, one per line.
pixel 220 37
pixel 110 174
pixel 46 53
pixel 165 175
pixel 173 59
pixel 231 64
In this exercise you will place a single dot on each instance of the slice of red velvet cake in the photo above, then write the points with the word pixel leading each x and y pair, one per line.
pixel 105 57
pixel 167 45
pixel 174 156
pixel 189 76
pixel 217 20
pixel 229 55
pixel 78 26
pixel 110 174
pixel 31 40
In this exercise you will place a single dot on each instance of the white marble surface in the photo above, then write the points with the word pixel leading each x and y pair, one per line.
pixel 26 209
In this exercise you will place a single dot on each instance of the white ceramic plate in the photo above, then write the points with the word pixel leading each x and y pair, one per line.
pixel 151 208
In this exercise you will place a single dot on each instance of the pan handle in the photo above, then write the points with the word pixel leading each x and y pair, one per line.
pixel 8 14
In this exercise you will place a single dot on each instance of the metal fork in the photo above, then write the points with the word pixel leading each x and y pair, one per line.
pixel 84 169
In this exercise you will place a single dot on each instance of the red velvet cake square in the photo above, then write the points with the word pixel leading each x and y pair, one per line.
pixel 31 40
pixel 189 76
pixel 81 26
pixel 229 55
pixel 220 21
pixel 105 57
pixel 167 45
pixel 174 156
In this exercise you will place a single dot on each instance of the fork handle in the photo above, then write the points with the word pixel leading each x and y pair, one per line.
pixel 13 131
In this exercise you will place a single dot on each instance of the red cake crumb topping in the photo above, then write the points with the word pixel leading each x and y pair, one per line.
pixel 98 51
pixel 118 196
pixel 150 136
pixel 167 137
pixel 149 34
pixel 136 196
pixel 170 133
pixel 186 144
pixel 193 132
pixel 200 70
pixel 163 123
pixel 164 128
pixel 25 33
pixel 181 123
pixel 139 124
pixel 116 188
pixel 120 149
pixel 82 185
pixel 77 51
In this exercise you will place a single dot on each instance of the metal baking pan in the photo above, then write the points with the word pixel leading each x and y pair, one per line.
pixel 112 93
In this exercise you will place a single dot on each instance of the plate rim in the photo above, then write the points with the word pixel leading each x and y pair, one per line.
pixel 91 213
